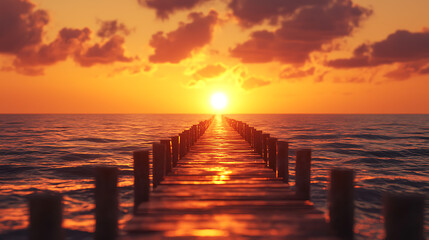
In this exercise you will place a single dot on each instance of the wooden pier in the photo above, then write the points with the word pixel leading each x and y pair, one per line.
pixel 223 179
pixel 223 189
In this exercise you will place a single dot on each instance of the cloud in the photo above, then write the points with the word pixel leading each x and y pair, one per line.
pixel 253 12
pixel 68 42
pixel 209 71
pixel 182 42
pixel 290 73
pixel 110 28
pixel 303 33
pixel 253 82
pixel 106 53
pixel 20 25
pixel 21 34
pixel 166 7
pixel 399 47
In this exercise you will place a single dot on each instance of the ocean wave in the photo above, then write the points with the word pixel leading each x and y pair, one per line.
pixel 323 136
pixel 340 145
pixel 82 156
pixel 415 152
pixel 94 140
pixel 373 161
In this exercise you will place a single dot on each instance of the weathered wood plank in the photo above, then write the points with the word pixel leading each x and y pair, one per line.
pixel 223 190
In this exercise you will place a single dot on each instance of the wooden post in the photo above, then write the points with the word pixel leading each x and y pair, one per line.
pixel 182 151
pixel 168 163
pixel 158 163
pixel 272 153
pixel 265 138
pixel 188 140
pixel 404 216
pixel 258 142
pixel 341 202
pixel 175 149
pixel 106 203
pixel 46 216
pixel 283 160
pixel 252 137
pixel 141 177
pixel 303 173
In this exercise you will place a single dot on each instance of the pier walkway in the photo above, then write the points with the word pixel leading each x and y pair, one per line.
pixel 223 190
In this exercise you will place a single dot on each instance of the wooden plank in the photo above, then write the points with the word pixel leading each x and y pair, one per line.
pixel 223 190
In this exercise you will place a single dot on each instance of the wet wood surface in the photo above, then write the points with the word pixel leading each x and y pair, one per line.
pixel 223 190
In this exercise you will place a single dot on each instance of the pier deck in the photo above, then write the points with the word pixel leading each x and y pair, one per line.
pixel 223 190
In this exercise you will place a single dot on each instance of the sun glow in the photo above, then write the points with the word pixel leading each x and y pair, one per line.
pixel 219 101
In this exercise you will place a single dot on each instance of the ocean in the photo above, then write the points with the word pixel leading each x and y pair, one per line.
pixel 59 152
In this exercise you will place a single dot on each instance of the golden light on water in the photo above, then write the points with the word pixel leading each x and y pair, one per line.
pixel 219 101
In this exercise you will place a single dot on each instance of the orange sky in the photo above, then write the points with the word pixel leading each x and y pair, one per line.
pixel 161 56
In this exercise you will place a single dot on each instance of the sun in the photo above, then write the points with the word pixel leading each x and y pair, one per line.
pixel 219 101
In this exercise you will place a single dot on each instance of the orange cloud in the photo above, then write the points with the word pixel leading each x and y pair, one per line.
pixel 20 25
pixel 180 43
pixel 166 7
pixel 307 31
pixel 209 71
pixel 253 82
pixel 106 53
pixel 253 12
pixel 68 42
pixel 110 28
pixel 401 46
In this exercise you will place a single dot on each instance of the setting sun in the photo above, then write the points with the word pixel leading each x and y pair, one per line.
pixel 219 101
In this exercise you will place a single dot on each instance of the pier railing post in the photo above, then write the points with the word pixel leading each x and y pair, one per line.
pixel 168 164
pixel 182 143
pixel 46 216
pixel 141 177
pixel 106 203
pixel 283 160
pixel 175 149
pixel 158 163
pixel 404 216
pixel 272 153
pixel 258 142
pixel 265 138
pixel 303 173
pixel 341 202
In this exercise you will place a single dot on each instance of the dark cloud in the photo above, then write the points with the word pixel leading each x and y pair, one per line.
pixel 399 47
pixel 252 12
pixel 166 7
pixel 209 71
pixel 106 53
pixel 68 42
pixel 305 32
pixel 20 25
pixel 179 44
pixel 110 28
pixel 253 82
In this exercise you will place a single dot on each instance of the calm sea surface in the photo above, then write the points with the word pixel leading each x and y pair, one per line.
pixel 59 152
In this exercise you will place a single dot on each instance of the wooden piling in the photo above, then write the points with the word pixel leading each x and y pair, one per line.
pixel 404 216
pixel 141 177
pixel 341 202
pixel 265 137
pixel 175 149
pixel 106 203
pixel 158 163
pixel 182 143
pixel 283 160
pixel 168 163
pixel 258 142
pixel 272 153
pixel 303 173
pixel 46 216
